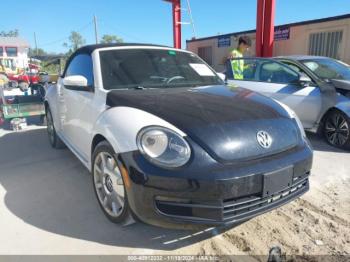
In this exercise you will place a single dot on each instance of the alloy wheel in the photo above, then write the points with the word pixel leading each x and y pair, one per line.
pixel 109 184
pixel 337 130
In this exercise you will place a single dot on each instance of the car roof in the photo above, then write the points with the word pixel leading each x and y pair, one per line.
pixel 89 49
pixel 300 57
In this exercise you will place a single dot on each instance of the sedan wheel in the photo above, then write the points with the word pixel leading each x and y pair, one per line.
pixel 109 185
pixel 336 129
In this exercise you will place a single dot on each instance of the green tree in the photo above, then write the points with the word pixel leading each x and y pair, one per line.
pixel 11 33
pixel 75 41
pixel 107 39
pixel 54 66
pixel 34 52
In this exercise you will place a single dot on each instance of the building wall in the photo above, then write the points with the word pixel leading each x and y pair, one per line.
pixel 21 60
pixel 22 57
pixel 298 43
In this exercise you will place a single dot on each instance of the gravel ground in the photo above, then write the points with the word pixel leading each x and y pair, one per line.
pixel 47 206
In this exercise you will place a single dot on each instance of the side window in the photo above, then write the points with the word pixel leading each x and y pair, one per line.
pixel 273 72
pixel 299 70
pixel 249 69
pixel 294 67
pixel 81 65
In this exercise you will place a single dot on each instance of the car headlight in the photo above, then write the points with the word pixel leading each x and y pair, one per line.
pixel 163 147
pixel 294 116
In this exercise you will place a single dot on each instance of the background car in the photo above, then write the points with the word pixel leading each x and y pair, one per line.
pixel 322 104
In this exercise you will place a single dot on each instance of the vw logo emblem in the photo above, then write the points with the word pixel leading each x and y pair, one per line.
pixel 264 139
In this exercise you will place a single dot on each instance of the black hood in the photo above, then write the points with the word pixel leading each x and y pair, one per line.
pixel 223 120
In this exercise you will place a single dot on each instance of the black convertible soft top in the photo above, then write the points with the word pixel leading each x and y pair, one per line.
pixel 88 49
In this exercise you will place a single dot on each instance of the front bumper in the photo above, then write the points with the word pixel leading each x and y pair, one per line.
pixel 212 194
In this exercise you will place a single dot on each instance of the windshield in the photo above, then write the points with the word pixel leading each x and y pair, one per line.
pixel 328 69
pixel 154 68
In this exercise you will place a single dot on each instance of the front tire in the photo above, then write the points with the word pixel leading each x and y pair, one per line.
pixel 109 185
pixel 337 129
pixel 54 139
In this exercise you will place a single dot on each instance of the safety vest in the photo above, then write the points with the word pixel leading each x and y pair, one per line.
pixel 237 65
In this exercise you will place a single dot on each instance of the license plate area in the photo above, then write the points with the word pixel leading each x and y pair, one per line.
pixel 277 181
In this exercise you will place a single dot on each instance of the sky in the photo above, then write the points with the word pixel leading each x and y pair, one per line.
pixel 148 21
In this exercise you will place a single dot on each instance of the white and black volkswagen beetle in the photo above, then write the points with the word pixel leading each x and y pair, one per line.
pixel 169 143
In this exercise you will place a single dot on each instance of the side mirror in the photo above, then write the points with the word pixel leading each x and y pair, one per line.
pixel 77 83
pixel 222 76
pixel 304 80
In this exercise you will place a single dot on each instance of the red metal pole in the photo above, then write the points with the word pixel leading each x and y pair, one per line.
pixel 269 28
pixel 177 23
pixel 259 28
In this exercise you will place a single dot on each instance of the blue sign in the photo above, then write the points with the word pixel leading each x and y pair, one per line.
pixel 224 41
pixel 282 33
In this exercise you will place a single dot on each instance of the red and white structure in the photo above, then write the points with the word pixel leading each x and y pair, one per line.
pixel 14 50
pixel 264 26
pixel 176 22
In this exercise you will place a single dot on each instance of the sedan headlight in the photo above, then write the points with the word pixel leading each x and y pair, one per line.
pixel 294 116
pixel 163 147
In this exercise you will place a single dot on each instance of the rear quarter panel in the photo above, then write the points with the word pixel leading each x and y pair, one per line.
pixel 51 98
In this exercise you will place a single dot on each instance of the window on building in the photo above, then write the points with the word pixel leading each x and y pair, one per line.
pixel 325 44
pixel 206 53
pixel 11 51
pixel 1 51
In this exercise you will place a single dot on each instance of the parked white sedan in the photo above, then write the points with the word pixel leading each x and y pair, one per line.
pixel 319 104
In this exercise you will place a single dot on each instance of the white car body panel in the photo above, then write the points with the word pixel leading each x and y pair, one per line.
pixel 116 123
pixel 79 116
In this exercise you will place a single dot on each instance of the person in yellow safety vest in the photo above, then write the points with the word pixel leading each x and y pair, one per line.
pixel 244 43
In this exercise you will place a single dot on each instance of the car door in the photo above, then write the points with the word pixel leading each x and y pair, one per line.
pixel 279 82
pixel 76 107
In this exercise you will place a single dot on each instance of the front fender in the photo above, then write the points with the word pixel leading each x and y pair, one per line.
pixel 343 104
pixel 120 126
